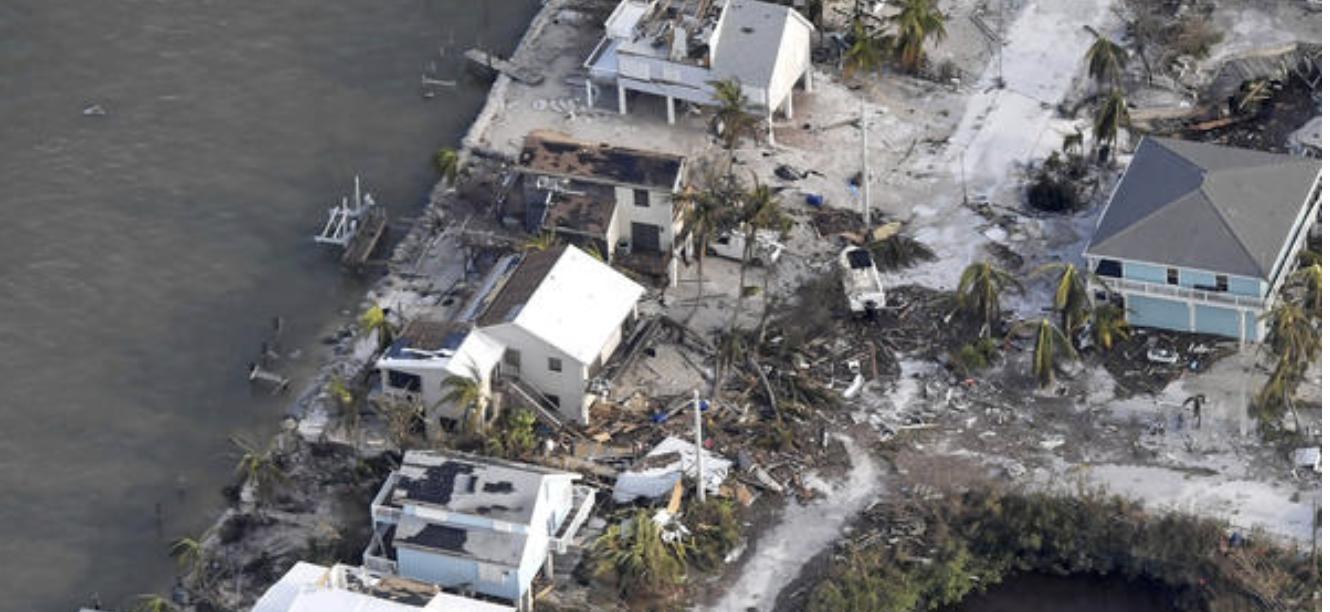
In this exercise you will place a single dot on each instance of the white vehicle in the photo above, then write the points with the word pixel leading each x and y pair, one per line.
pixel 730 245
pixel 863 286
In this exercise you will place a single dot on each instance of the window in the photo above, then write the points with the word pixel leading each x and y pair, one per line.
pixel 1221 283
pixel 403 381
pixel 1172 276
pixel 556 364
pixel 512 358
pixel 641 198
pixel 1110 268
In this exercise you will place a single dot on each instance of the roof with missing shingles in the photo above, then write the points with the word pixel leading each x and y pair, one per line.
pixel 1205 207
pixel 557 154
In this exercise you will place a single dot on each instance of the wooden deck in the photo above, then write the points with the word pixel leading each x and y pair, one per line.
pixel 368 234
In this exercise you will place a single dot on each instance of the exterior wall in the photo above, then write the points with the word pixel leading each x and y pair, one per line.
pixel 792 64
pixel 437 515
pixel 1144 272
pixel 1288 254
pixel 569 385
pixel 662 77
pixel 1242 285
pixel 1195 278
pixel 433 387
pixel 1157 312
pixel 458 573
pixel 1218 321
pixel 660 213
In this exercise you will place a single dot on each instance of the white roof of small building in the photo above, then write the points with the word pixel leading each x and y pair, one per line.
pixel 308 587
pixel 748 41
pixel 430 345
pixel 566 298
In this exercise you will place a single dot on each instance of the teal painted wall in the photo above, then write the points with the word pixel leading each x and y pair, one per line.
pixel 1144 272
pixel 1241 285
pixel 1218 321
pixel 1156 312
pixel 1195 278
pixel 1252 322
pixel 453 572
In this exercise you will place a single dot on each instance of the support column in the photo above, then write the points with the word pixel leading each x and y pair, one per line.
pixel 669 109
pixel 590 97
pixel 789 105
pixel 771 131
pixel 1191 317
pixel 549 566
pixel 623 100
pixel 808 77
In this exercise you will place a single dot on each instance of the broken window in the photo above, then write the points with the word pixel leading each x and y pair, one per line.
pixel 1172 276
pixel 512 358
pixel 404 381
pixel 1221 283
pixel 556 364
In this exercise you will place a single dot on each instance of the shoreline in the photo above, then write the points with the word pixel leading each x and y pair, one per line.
pixel 308 419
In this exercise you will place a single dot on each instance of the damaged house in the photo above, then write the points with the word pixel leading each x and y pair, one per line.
pixel 308 587
pixel 620 201
pixel 477 525
pixel 1199 237
pixel 676 48
pixel 538 333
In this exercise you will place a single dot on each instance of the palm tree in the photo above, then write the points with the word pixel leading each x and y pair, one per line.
pixel 259 466
pixel 917 23
pixel 1105 59
pixel 868 53
pixel 1292 336
pixel 187 553
pixel 641 562
pixel 1308 278
pixel 542 241
pixel 1108 326
pixel 759 210
pixel 465 392
pixel 1050 347
pixel 376 320
pixel 346 405
pixel 1071 300
pixel 448 163
pixel 710 212
pixel 151 602
pixel 1112 116
pixel 980 290
pixel 731 120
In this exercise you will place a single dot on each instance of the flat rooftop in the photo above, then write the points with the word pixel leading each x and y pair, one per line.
pixel 554 153
pixel 471 485
pixel 425 336
pixel 590 212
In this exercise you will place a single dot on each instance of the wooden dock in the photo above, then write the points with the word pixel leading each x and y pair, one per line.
pixel 492 64
pixel 368 233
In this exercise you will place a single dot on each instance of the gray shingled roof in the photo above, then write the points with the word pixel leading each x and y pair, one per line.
pixel 749 42
pixel 1205 207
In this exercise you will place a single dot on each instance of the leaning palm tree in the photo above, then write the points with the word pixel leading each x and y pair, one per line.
pixel 979 292
pixel 759 210
pixel 1071 300
pixel 1308 280
pixel 448 163
pixel 259 466
pixel 1108 326
pixel 151 602
pixel 542 241
pixel 187 553
pixel 868 53
pixel 1111 118
pixel 731 119
pixel 1051 346
pixel 1106 59
pixel 918 22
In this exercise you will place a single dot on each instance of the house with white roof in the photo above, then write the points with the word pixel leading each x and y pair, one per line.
pixel 676 48
pixel 1199 237
pixel 308 587
pixel 475 524
pixel 617 200
pixel 426 354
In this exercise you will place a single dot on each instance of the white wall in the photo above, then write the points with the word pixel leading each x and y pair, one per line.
pixel 790 67
pixel 660 214
pixel 569 385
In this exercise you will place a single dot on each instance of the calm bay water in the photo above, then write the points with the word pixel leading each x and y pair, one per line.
pixel 143 252
pixel 1080 593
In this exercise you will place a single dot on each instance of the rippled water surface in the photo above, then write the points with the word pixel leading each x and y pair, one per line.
pixel 143 252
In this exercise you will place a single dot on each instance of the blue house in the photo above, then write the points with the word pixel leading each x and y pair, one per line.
pixel 476 525
pixel 1199 237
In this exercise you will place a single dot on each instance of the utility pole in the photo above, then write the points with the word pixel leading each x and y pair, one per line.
pixel 865 191
pixel 1001 42
pixel 697 434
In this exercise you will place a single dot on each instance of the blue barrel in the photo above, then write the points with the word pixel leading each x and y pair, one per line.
pixel 814 200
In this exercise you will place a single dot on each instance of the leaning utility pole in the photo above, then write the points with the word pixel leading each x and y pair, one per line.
pixel 697 434
pixel 865 191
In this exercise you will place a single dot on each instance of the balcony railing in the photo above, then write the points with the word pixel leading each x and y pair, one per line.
pixel 1199 295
